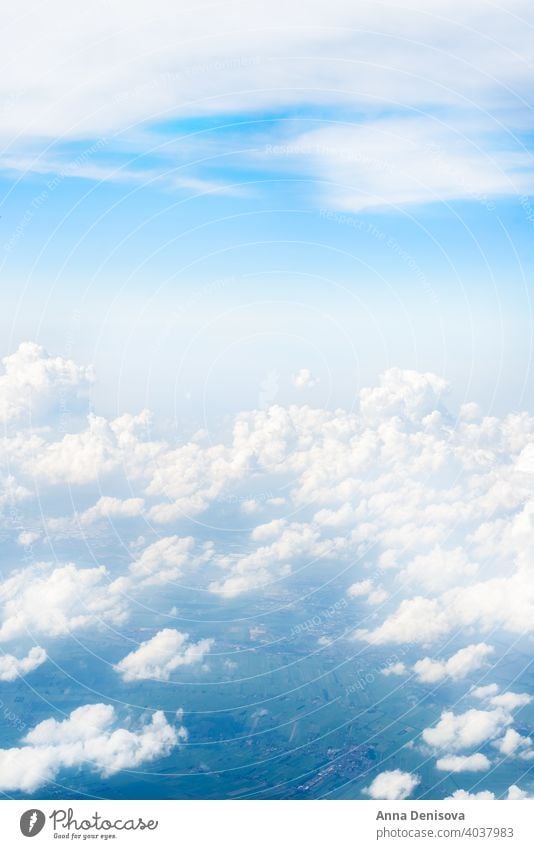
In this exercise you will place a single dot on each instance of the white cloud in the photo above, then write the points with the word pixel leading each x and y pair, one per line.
pixel 465 795
pixel 463 763
pixel 268 562
pixel 361 588
pixel 378 596
pixel 158 657
pixel 304 379
pixel 232 62
pixel 393 784
pixel 11 667
pixel 462 663
pixel 108 507
pixel 219 56
pixel 269 530
pixel 405 393
pixel 510 701
pixel 485 692
pixel 395 669
pixel 35 385
pixel 87 455
pixel 417 620
pixel 486 795
pixel 12 493
pixel 89 737
pixel 164 560
pixel 411 159
pixel 515 793
pixel 439 569
pixel 27 538
pixel 503 602
pixel 469 730
pixel 512 742
pixel 78 458
pixel 466 730
pixel 52 601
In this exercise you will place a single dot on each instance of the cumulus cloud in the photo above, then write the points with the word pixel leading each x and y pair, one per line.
pixel 482 795
pixel 456 667
pixel 512 742
pixel 86 456
pixel 405 393
pixel 466 730
pixel 191 476
pixel 49 600
pixel 268 562
pixel 487 795
pixel 360 588
pixel 485 691
pixel 515 793
pixel 164 560
pixel 34 385
pixel 438 569
pixel 503 602
pixel 158 657
pixel 476 727
pixel 510 701
pixel 89 737
pixel 269 530
pixel 398 668
pixel 463 763
pixel 304 379
pixel 27 538
pixel 392 784
pixel 12 667
pixel 12 493
pixel 54 601
pixel 108 507
pixel 378 596
pixel 416 620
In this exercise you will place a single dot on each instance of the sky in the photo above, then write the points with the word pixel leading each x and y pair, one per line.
pixel 266 284
pixel 364 177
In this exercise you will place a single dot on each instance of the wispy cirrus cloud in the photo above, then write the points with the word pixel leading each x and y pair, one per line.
pixel 414 159
pixel 438 92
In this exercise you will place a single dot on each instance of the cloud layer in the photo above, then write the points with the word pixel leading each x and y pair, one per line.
pixel 430 512
pixel 417 496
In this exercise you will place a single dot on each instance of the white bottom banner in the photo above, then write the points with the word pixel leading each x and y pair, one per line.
pixel 268 824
